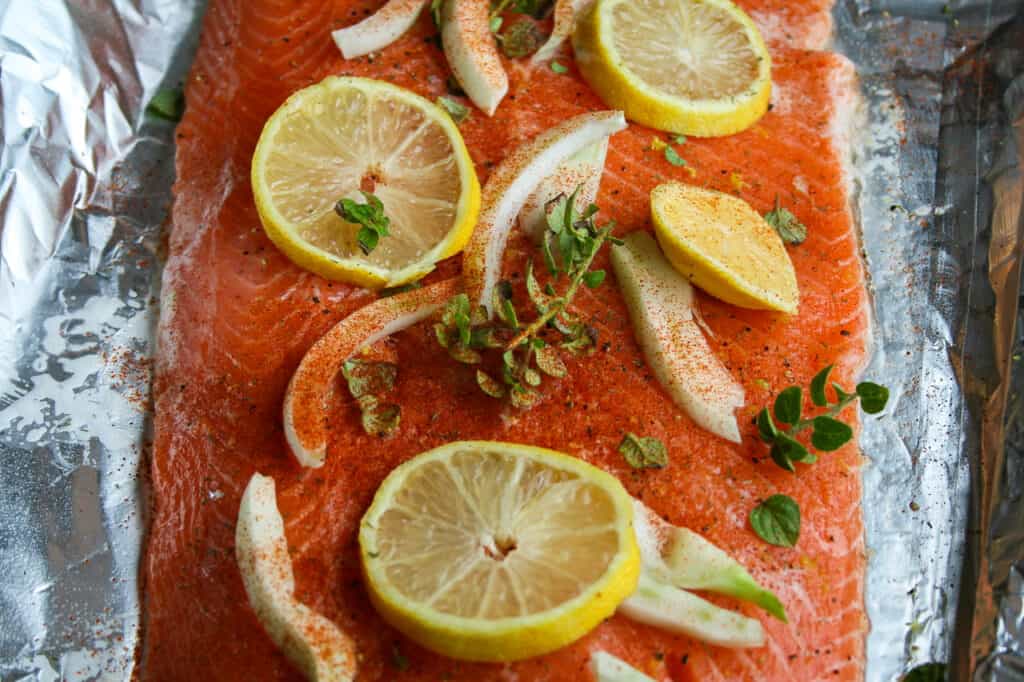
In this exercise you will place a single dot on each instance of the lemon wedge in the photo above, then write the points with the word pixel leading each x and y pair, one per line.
pixel 343 135
pixel 472 52
pixel 697 67
pixel 493 551
pixel 513 182
pixel 378 30
pixel 314 644
pixel 305 410
pixel 724 247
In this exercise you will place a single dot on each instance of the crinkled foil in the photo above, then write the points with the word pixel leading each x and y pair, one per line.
pixel 85 183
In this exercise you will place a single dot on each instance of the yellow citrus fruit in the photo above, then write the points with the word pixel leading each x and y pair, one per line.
pixel 343 136
pixel 697 67
pixel 492 551
pixel 724 247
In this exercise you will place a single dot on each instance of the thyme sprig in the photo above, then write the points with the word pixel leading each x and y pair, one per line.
pixel 531 350
pixel 828 433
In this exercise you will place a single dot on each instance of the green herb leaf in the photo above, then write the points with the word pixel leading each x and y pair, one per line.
pixel 928 672
pixel 523 398
pixel 680 139
pixel 441 332
pixel 458 111
pixel 168 104
pixel 594 278
pixel 369 215
pixel 672 156
pixel 788 405
pixel 366 378
pixel 786 450
pixel 786 224
pixel 830 434
pixel 521 39
pixel 489 385
pixel 559 68
pixel 484 337
pixel 643 453
pixel 550 362
pixel 818 387
pixel 381 420
pixel 495 24
pixel 766 427
pixel 872 397
pixel 394 291
pixel 464 354
pixel 777 521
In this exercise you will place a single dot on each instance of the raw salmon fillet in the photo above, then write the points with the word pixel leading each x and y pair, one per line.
pixel 237 318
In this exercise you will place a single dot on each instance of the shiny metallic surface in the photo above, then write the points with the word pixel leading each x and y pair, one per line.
pixel 85 180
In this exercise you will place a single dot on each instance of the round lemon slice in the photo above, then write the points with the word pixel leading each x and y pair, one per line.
pixel 343 136
pixel 724 247
pixel 697 67
pixel 491 551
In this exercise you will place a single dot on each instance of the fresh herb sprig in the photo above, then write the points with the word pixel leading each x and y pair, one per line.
pixel 369 216
pixel 828 433
pixel 786 224
pixel 366 382
pixel 531 350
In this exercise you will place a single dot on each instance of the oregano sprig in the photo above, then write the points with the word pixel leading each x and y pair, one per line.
pixel 828 433
pixel 367 381
pixel 531 350
pixel 373 224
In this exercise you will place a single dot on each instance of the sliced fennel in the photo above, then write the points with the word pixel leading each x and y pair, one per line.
pixel 678 556
pixel 608 668
pixel 678 611
pixel 661 306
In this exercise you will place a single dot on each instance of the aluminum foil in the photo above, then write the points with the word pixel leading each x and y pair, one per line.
pixel 85 182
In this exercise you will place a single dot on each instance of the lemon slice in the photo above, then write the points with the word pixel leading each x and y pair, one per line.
pixel 513 182
pixel 305 410
pixel 343 135
pixel 493 551
pixel 724 247
pixel 378 30
pixel 472 52
pixel 314 644
pixel 698 67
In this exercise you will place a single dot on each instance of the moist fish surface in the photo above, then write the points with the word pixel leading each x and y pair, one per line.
pixel 237 318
